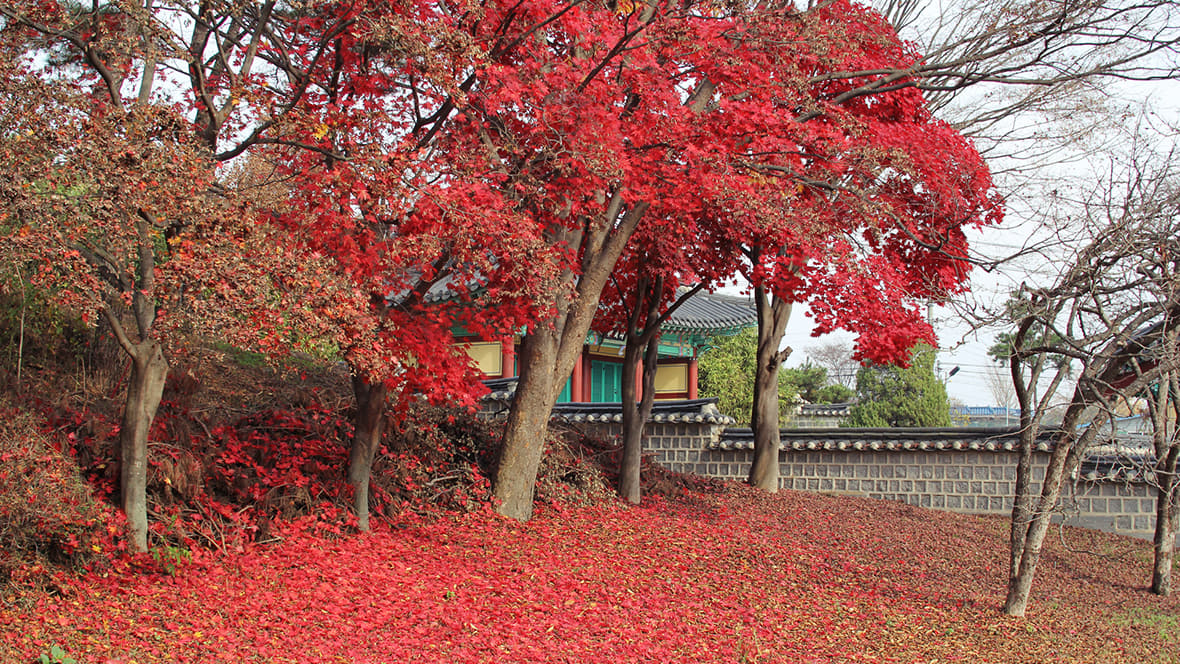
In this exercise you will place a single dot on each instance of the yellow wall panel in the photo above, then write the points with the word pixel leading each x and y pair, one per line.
pixel 671 378
pixel 487 356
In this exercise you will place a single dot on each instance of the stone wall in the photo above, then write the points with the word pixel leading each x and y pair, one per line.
pixel 970 471
pixel 962 469
pixel 971 482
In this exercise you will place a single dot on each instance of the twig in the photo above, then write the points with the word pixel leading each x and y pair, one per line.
pixel 20 345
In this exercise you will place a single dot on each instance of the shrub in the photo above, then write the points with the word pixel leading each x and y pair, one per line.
pixel 48 514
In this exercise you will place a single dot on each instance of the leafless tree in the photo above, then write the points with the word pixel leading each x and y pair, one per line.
pixel 1164 403
pixel 1034 85
pixel 1000 386
pixel 1101 321
pixel 1155 462
pixel 836 357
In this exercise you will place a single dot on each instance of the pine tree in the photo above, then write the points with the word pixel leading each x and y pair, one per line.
pixel 897 396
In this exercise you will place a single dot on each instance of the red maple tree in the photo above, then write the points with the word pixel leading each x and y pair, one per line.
pixel 607 120
pixel 873 228
pixel 485 166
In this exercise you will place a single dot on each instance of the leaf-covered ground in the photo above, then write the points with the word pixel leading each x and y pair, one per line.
pixel 734 576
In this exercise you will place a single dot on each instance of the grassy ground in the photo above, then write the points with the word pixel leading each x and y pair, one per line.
pixel 717 576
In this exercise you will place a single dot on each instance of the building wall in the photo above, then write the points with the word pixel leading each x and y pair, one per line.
pixel 596 377
pixel 955 478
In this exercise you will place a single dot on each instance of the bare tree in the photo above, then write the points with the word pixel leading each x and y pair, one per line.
pixel 1031 84
pixel 1155 462
pixel 1000 386
pixel 1115 301
pixel 1029 58
pixel 836 357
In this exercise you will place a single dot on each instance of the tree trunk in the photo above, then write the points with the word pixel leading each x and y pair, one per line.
pixel 548 354
pixel 773 314
pixel 635 414
pixel 1167 518
pixel 1021 506
pixel 1065 454
pixel 149 370
pixel 366 440
pixel 1022 499
pixel 1020 585
pixel 528 422
pixel 1167 502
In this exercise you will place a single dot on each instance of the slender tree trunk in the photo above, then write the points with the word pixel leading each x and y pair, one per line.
pixel 1167 501
pixel 1024 503
pixel 1064 457
pixel 149 370
pixel 1021 505
pixel 1022 500
pixel 1167 518
pixel 635 415
pixel 773 314
pixel 629 489
pixel 366 440
pixel 1020 585
pixel 528 422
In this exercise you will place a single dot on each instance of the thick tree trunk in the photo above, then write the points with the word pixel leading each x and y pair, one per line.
pixel 764 471
pixel 629 489
pixel 366 440
pixel 149 370
pixel 528 422
pixel 773 315
pixel 548 354
pixel 635 415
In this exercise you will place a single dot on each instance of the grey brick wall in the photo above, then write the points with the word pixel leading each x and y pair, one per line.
pixel 957 480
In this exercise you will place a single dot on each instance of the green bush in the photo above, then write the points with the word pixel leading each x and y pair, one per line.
pixel 32 329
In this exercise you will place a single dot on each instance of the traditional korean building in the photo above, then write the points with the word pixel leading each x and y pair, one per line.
pixel 598 375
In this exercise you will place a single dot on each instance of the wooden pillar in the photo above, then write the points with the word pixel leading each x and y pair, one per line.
pixel 507 358
pixel 692 378
pixel 639 381
pixel 577 388
pixel 587 375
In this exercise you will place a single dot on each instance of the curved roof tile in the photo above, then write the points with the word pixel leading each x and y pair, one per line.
pixel 999 439
pixel 712 311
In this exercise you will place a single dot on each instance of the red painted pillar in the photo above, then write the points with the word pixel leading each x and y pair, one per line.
pixel 577 389
pixel 507 358
pixel 587 375
pixel 692 378
pixel 639 381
